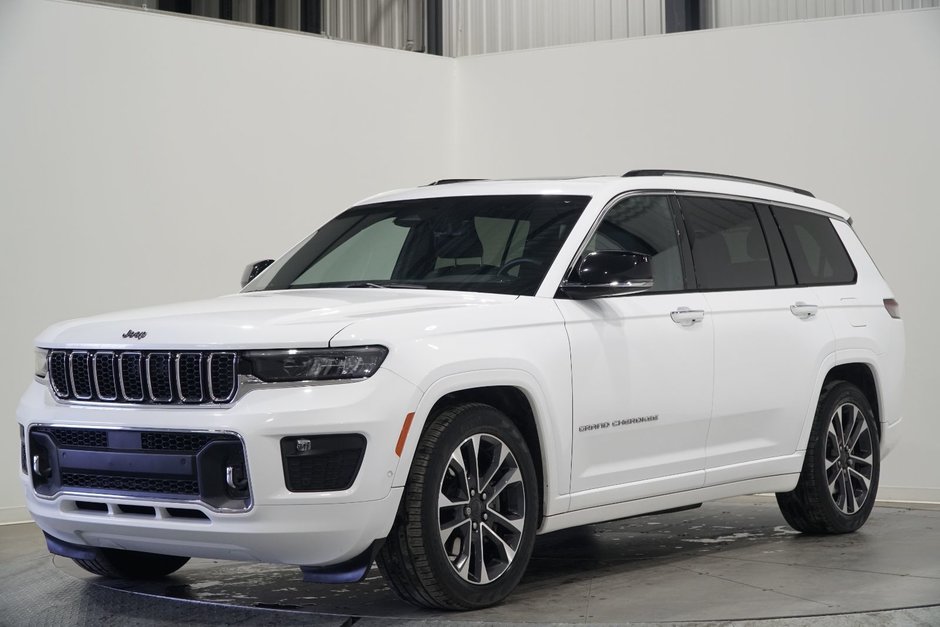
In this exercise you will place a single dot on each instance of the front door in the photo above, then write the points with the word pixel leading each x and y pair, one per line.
pixel 641 368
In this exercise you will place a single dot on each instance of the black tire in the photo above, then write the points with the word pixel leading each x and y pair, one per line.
pixel 414 560
pixel 833 477
pixel 118 564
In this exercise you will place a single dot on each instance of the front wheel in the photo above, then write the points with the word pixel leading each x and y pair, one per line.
pixel 839 480
pixel 465 530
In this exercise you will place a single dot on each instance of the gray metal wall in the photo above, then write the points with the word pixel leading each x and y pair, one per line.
pixel 482 26
pixel 721 13
pixel 390 23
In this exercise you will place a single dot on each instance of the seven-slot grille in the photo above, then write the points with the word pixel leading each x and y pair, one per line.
pixel 189 377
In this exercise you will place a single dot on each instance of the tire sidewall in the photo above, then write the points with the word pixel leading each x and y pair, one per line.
pixel 477 419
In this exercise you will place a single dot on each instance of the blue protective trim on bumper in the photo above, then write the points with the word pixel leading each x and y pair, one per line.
pixel 351 571
pixel 67 549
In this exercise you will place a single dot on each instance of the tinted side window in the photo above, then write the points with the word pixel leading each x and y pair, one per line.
pixel 644 224
pixel 815 248
pixel 728 246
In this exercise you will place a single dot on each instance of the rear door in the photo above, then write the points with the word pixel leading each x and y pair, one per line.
pixel 771 337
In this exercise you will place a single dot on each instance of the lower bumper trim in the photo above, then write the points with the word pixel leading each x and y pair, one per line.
pixel 351 571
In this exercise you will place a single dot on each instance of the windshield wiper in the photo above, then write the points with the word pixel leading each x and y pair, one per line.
pixel 400 286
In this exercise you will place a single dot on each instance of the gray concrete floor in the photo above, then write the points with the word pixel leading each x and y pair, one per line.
pixel 732 560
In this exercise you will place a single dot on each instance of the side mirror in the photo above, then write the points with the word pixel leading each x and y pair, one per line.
pixel 605 273
pixel 254 269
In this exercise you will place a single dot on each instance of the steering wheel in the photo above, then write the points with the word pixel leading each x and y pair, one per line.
pixel 518 261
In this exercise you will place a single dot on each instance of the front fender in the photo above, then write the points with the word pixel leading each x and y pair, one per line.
pixel 552 423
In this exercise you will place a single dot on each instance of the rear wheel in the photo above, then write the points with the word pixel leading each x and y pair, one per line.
pixel 839 480
pixel 466 526
pixel 118 564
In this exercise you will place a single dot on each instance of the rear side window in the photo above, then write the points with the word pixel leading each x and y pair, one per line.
pixel 815 249
pixel 728 246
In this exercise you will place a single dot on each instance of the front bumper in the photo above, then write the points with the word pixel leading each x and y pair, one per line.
pixel 305 528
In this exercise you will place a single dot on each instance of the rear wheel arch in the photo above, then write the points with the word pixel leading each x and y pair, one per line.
pixel 862 376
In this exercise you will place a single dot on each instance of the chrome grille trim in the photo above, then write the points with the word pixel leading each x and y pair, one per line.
pixel 179 382
pixel 53 373
pixel 213 395
pixel 82 356
pixel 169 375
pixel 124 394
pixel 143 377
pixel 102 355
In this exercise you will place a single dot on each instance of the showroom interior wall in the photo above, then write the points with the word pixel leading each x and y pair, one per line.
pixel 846 107
pixel 145 158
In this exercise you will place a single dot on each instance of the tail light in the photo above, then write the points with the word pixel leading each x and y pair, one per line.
pixel 893 308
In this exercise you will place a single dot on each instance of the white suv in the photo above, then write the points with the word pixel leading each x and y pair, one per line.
pixel 437 375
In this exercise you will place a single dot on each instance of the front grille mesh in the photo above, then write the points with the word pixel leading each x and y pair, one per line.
pixel 173 441
pixel 161 377
pixel 130 484
pixel 81 438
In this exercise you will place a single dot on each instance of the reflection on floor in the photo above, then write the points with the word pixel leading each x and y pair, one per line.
pixel 730 560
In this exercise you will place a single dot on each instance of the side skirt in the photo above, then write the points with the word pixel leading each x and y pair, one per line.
pixel 677 500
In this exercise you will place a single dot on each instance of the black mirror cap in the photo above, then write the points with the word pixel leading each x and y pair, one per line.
pixel 603 267
pixel 254 269
pixel 606 273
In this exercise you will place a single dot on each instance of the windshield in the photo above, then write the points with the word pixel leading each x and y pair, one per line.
pixel 499 244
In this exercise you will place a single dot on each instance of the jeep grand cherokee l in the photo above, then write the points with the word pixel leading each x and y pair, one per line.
pixel 437 375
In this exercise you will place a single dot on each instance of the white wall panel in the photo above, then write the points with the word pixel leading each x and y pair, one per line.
pixel 824 115
pixel 168 152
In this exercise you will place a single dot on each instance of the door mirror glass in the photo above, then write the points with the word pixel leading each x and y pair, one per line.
pixel 606 273
pixel 254 269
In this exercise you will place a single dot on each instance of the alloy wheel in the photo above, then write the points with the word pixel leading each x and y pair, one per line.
pixel 849 458
pixel 481 508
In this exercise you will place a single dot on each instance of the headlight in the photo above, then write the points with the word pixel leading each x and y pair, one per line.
pixel 316 364
pixel 41 365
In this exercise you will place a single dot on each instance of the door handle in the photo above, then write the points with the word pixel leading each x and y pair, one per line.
pixel 687 317
pixel 803 310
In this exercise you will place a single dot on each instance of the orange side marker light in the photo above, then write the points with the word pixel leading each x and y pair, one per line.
pixel 404 433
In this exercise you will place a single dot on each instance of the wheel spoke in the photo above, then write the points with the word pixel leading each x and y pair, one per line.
pixel 510 524
pixel 479 564
pixel 470 450
pixel 502 455
pixel 862 462
pixel 508 552
pixel 847 420
pixel 459 528
pixel 865 481
pixel 832 473
pixel 836 425
pixel 850 505
pixel 458 469
pixel 513 476
pixel 860 428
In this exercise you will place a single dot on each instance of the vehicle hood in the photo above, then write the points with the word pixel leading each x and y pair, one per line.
pixel 276 319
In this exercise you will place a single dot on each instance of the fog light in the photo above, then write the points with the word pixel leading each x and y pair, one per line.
pixel 322 463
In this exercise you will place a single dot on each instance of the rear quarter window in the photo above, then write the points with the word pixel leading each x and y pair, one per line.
pixel 816 251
